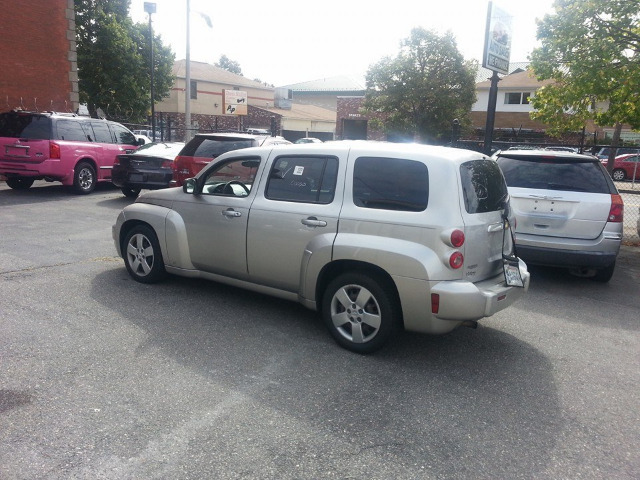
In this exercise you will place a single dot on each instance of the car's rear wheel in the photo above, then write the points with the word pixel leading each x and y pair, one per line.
pixel 359 312
pixel 20 183
pixel 84 178
pixel 618 175
pixel 130 192
pixel 604 274
pixel 142 255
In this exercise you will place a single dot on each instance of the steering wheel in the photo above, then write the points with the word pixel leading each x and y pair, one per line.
pixel 228 189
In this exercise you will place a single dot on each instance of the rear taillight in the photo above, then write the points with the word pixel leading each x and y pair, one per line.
pixel 456 260
pixel 457 238
pixel 617 209
pixel 54 150
pixel 116 162
pixel 435 303
pixel 167 164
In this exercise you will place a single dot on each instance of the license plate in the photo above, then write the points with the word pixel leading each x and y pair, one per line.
pixel 512 273
pixel 136 178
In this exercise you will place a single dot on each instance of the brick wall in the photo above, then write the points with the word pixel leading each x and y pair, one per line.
pixel 349 108
pixel 38 52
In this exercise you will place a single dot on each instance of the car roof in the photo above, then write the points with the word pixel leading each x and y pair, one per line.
pixel 229 135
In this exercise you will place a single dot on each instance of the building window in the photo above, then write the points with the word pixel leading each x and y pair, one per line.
pixel 194 89
pixel 517 98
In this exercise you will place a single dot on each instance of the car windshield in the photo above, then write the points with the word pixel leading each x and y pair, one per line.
pixel 554 173
pixel 25 125
pixel 165 150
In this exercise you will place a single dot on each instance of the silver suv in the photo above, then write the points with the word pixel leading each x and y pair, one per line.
pixel 374 235
pixel 568 211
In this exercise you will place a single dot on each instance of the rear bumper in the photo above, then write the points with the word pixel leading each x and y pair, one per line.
pixel 459 300
pixel 562 252
pixel 462 300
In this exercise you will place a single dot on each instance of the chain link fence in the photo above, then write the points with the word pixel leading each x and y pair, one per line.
pixel 630 193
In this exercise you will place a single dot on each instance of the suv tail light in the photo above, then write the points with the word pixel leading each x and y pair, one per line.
pixel 54 150
pixel 456 260
pixel 457 238
pixel 617 209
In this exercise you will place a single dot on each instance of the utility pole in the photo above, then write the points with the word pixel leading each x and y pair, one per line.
pixel 187 89
pixel 150 8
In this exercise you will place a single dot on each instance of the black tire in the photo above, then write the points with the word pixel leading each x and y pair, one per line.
pixel 84 178
pixel 604 274
pixel 130 192
pixel 360 312
pixel 142 255
pixel 20 183
pixel 618 175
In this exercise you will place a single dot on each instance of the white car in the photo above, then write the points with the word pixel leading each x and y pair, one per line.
pixel 374 235
pixel 568 210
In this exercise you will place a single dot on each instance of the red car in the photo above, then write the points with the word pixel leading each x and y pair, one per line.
pixel 625 167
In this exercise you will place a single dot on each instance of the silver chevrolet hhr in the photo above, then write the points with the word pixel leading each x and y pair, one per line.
pixel 375 236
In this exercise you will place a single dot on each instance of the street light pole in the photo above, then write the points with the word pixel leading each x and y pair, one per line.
pixel 187 89
pixel 150 8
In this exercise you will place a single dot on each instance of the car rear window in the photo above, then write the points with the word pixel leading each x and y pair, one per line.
pixel 20 125
pixel 212 147
pixel 390 184
pixel 555 173
pixel 483 186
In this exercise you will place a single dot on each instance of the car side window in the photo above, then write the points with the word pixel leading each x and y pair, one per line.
pixel 101 132
pixel 234 178
pixel 390 184
pixel 123 135
pixel 70 130
pixel 308 179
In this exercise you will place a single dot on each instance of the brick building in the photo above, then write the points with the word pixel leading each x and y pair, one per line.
pixel 38 51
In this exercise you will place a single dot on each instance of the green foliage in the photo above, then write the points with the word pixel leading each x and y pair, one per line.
pixel 227 64
pixel 114 61
pixel 423 89
pixel 591 51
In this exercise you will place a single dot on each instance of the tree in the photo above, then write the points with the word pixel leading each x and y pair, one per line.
pixel 229 65
pixel 591 51
pixel 114 61
pixel 423 89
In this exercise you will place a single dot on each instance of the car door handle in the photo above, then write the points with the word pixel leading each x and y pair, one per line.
pixel 313 222
pixel 230 212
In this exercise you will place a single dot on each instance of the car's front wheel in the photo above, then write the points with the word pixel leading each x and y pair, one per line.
pixel 84 178
pixel 20 183
pixel 130 192
pixel 618 175
pixel 360 312
pixel 142 255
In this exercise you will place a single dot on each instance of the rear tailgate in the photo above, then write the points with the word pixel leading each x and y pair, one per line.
pixel 560 214
pixel 16 151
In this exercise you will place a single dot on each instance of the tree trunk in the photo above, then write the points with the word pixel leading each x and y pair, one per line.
pixel 614 147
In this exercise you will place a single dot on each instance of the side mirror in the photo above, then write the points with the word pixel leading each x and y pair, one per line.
pixel 189 186
pixel 140 142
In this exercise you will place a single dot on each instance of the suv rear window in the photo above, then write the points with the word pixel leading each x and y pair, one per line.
pixel 17 125
pixel 212 147
pixel 483 186
pixel 390 184
pixel 555 173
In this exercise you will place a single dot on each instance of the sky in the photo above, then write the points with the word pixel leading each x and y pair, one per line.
pixel 284 42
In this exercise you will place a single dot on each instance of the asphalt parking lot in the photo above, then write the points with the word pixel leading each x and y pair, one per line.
pixel 103 377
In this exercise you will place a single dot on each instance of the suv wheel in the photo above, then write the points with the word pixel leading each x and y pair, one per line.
pixel 130 192
pixel 359 312
pixel 604 274
pixel 19 183
pixel 618 175
pixel 84 178
pixel 142 255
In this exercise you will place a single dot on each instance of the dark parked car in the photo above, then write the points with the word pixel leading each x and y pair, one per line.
pixel 150 167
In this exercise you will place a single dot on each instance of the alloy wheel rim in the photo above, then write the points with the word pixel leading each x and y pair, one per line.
pixel 140 255
pixel 355 313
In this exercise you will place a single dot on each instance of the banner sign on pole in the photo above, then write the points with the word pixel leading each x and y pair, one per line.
pixel 497 45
